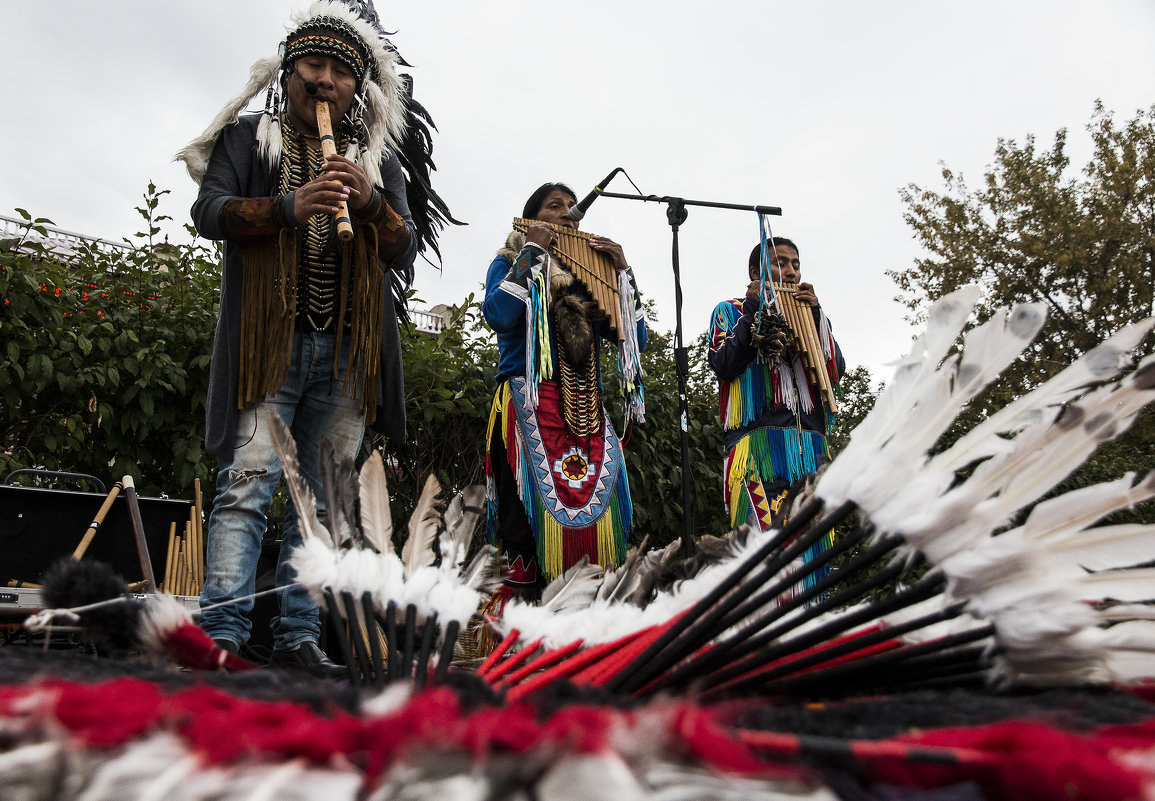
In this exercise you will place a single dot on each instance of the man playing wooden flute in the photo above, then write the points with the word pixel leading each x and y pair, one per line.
pixel 307 328
pixel 772 412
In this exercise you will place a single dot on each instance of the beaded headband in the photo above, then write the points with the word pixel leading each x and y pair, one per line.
pixel 316 38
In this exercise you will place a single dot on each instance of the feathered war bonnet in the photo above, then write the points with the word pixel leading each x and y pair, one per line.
pixel 378 114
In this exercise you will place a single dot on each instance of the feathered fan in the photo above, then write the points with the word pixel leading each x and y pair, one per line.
pixel 1029 606
pixel 382 597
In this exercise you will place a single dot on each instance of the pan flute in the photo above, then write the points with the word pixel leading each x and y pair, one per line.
pixel 804 335
pixel 595 270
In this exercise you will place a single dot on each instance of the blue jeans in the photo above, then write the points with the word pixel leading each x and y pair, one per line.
pixel 314 408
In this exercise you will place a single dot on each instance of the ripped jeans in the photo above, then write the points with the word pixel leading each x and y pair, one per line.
pixel 314 408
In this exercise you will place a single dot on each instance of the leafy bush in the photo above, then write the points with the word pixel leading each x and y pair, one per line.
pixel 449 382
pixel 654 448
pixel 104 358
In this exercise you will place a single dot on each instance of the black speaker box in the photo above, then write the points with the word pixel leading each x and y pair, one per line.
pixel 39 526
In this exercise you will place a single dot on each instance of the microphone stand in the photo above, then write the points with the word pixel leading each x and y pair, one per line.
pixel 676 213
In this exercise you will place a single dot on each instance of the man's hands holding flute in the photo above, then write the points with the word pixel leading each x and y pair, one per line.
pixel 341 180
pixel 804 295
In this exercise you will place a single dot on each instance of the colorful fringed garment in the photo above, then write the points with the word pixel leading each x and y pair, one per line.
pixel 575 491
pixel 571 479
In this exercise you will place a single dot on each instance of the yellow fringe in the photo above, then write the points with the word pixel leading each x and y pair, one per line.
pixel 734 407
pixel 607 549
pixel 495 412
pixel 736 481
pixel 551 538
pixel 506 402
pixel 740 464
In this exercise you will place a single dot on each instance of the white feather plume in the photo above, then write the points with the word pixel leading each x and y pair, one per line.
pixel 419 583
pixel 916 378
pixel 903 462
pixel 461 518
pixel 1079 508
pixel 315 565
pixel 391 584
pixel 1103 362
pixel 376 517
pixel 1029 466
pixel 423 526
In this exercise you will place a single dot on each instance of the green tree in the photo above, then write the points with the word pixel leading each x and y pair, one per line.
pixel 449 380
pixel 858 396
pixel 1083 244
pixel 654 448
pixel 104 359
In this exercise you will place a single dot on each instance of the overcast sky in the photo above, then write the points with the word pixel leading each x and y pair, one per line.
pixel 825 109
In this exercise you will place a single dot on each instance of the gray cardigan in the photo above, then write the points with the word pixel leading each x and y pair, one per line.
pixel 236 171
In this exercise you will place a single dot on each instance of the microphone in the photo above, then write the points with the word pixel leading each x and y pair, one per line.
pixel 310 87
pixel 577 211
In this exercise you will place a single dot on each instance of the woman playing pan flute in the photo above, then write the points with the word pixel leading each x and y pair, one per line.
pixel 557 486
pixel 772 412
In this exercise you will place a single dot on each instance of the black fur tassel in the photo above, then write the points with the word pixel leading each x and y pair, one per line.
pixel 70 583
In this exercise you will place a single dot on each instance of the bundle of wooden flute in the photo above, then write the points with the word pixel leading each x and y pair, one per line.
pixel 184 572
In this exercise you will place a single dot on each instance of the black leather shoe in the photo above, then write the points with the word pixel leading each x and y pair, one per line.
pixel 308 657
pixel 227 645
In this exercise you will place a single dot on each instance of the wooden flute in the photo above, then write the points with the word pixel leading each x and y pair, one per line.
pixel 800 319
pixel 329 148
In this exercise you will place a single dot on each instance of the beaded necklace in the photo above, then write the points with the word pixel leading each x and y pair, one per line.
pixel 317 281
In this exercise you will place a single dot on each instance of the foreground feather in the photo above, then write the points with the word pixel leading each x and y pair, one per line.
pixel 378 595
pixel 1025 606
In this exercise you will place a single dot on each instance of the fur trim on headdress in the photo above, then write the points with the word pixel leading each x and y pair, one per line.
pixel 195 154
pixel 382 92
